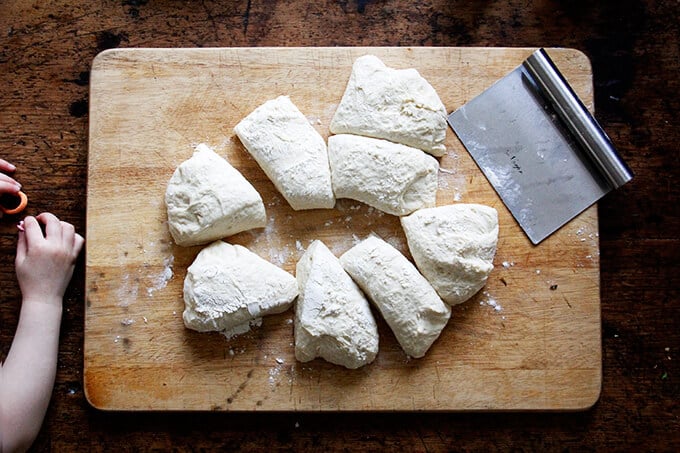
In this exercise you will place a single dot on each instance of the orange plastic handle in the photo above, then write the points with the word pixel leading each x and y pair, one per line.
pixel 23 201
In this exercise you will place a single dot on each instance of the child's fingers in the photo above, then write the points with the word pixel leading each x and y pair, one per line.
pixel 8 185
pixel 73 242
pixel 78 244
pixel 4 177
pixel 52 225
pixel 6 166
pixel 21 247
pixel 68 233
pixel 32 231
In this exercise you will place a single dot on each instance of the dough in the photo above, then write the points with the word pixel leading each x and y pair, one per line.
pixel 332 317
pixel 208 199
pixel 410 306
pixel 395 104
pixel 453 246
pixel 394 178
pixel 290 151
pixel 228 285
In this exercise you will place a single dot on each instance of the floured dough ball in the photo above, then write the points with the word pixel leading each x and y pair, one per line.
pixel 409 304
pixel 453 247
pixel 398 105
pixel 291 153
pixel 332 317
pixel 394 178
pixel 228 286
pixel 208 199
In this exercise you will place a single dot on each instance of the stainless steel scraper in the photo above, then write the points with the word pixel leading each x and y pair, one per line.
pixel 539 147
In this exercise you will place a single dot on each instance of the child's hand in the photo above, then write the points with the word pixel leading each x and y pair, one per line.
pixel 44 264
pixel 7 183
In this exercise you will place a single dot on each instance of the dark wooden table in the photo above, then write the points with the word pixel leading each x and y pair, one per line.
pixel 46 49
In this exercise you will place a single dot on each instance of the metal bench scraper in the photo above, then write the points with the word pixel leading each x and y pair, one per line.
pixel 539 147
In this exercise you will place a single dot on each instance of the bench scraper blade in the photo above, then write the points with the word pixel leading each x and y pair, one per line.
pixel 539 147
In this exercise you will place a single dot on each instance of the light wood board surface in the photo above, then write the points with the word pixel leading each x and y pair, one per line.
pixel 530 340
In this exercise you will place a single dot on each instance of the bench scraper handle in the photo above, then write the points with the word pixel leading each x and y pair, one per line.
pixel 584 128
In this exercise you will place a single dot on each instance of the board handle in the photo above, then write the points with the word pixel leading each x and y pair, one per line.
pixel 582 125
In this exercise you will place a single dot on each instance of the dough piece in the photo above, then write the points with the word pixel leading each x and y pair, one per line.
pixel 394 178
pixel 410 306
pixel 332 317
pixel 290 151
pixel 453 246
pixel 208 199
pixel 228 285
pixel 395 104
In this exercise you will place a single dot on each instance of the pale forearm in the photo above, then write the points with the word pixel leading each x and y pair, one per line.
pixel 27 376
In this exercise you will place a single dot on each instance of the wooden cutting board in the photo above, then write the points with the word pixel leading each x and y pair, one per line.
pixel 530 340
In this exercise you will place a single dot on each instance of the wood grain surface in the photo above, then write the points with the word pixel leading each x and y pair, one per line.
pixel 529 340
pixel 46 55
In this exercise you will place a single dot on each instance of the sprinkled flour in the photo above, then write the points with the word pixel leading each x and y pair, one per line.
pixel 490 301
pixel 161 280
